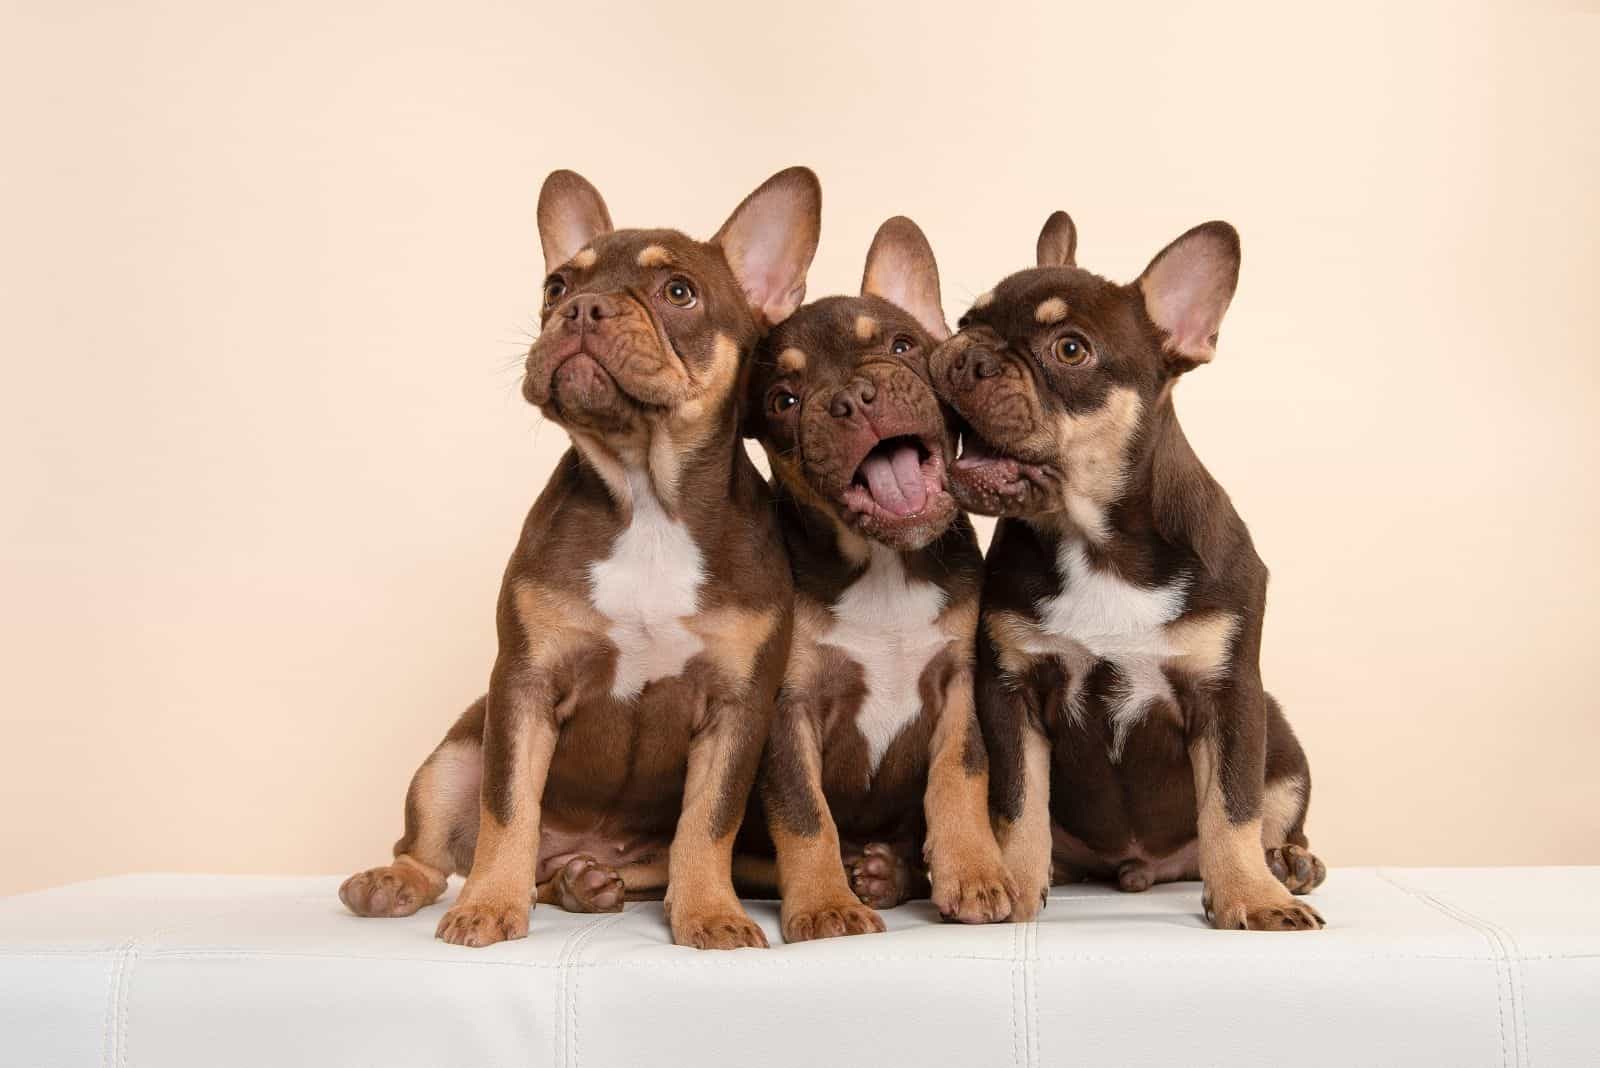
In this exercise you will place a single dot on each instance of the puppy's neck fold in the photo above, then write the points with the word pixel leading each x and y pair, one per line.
pixel 678 474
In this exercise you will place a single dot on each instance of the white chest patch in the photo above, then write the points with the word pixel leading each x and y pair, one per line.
pixel 887 623
pixel 1115 621
pixel 647 587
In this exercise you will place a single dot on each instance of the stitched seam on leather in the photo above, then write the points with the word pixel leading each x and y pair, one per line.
pixel 558 1033
pixel 1018 1056
pixel 1517 983
pixel 108 1042
pixel 1032 978
pixel 123 998
pixel 572 980
pixel 1497 949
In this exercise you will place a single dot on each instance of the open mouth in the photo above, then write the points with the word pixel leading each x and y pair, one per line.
pixel 897 479
pixel 980 466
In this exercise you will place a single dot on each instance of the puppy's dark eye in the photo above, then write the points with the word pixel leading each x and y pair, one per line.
pixel 901 345
pixel 679 293
pixel 1071 350
pixel 783 400
pixel 554 289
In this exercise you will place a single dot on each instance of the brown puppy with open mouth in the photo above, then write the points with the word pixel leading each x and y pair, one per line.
pixel 875 750
pixel 644 616
pixel 1119 679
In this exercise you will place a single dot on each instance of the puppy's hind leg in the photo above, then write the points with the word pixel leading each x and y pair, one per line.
pixel 1283 808
pixel 441 825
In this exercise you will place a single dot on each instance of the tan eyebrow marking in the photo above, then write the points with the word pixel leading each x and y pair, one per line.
pixel 983 300
pixel 791 361
pixel 1051 311
pixel 654 256
pixel 584 260
pixel 866 327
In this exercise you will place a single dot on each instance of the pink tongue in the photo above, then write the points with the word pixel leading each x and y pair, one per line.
pixel 896 481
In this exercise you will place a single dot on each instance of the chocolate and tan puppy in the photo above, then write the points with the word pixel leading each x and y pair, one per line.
pixel 875 719
pixel 644 617
pixel 1119 679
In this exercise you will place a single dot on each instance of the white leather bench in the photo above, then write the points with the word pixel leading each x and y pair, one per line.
pixel 1445 967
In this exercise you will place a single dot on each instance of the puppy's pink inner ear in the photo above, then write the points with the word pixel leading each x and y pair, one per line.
pixel 769 260
pixel 901 270
pixel 571 215
pixel 769 241
pixel 1188 287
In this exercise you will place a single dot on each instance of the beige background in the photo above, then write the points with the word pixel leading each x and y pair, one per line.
pixel 267 275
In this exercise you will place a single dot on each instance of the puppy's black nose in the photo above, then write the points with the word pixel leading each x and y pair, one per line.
pixel 588 307
pixel 855 397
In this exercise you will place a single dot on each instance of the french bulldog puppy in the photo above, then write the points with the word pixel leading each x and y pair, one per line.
pixel 875 722
pixel 1119 684
pixel 644 617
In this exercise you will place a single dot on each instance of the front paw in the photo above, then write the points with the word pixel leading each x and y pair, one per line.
pixel 478 925
pixel 716 928
pixel 829 919
pixel 1258 906
pixel 973 889
pixel 1030 887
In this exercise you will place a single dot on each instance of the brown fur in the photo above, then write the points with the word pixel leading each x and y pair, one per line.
pixel 645 333
pixel 1149 752
pixel 856 367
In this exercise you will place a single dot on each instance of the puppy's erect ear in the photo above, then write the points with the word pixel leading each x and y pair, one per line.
pixel 1187 288
pixel 769 241
pixel 1058 241
pixel 571 214
pixel 901 270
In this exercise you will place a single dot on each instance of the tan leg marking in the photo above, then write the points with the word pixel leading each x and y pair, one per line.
pixel 1025 844
pixel 1291 863
pixel 498 896
pixel 1240 892
pixel 970 882
pixel 443 793
pixel 1280 808
pixel 702 908
pixel 817 899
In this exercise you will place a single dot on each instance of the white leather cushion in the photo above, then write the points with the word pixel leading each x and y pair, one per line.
pixel 1460 967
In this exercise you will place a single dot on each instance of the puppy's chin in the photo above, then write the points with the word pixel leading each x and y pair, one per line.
pixel 582 394
pixel 906 533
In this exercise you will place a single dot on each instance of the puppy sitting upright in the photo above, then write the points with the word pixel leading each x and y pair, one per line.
pixel 1119 684
pixel 875 715
pixel 644 617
